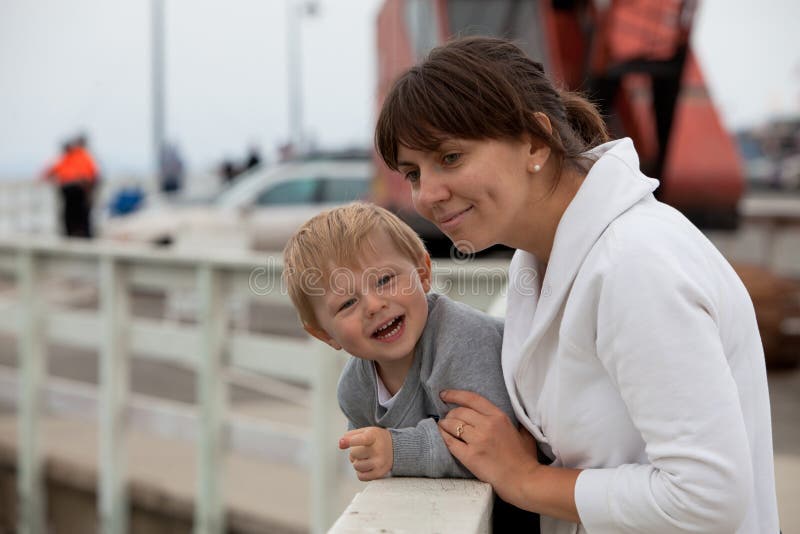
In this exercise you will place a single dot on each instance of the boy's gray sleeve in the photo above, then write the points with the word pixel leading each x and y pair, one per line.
pixel 351 424
pixel 351 391
pixel 466 355
pixel 469 359
pixel 420 452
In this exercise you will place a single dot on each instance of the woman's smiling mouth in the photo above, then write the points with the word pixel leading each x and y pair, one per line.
pixel 452 220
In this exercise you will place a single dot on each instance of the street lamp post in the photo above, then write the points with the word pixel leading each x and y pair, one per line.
pixel 294 67
pixel 157 66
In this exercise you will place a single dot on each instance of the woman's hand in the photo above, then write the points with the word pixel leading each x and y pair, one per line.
pixel 483 438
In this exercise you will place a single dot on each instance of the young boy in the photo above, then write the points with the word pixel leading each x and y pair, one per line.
pixel 360 280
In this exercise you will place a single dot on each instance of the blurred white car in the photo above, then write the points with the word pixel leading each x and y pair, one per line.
pixel 260 210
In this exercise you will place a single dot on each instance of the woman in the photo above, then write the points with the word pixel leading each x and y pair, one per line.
pixel 631 350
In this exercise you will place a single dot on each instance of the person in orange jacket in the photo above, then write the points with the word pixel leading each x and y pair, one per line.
pixel 76 175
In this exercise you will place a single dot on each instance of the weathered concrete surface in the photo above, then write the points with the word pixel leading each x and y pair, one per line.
pixel 443 506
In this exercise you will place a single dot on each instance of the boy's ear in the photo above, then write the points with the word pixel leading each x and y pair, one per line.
pixel 425 273
pixel 322 335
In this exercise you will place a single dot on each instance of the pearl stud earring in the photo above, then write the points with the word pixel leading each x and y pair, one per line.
pixel 537 168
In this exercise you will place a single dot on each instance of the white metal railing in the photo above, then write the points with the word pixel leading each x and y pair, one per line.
pixel 206 346
pixel 28 206
pixel 116 334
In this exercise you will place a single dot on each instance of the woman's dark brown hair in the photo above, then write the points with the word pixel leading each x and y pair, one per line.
pixel 483 88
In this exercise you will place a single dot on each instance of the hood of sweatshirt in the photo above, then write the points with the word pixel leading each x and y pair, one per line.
pixel 613 185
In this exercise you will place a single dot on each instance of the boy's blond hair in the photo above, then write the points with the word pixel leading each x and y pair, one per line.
pixel 338 237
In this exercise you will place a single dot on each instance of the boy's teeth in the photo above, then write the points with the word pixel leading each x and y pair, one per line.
pixel 392 332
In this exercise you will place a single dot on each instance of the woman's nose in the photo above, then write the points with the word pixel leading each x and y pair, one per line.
pixel 431 190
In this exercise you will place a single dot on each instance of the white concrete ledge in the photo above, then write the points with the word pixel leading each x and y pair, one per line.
pixel 419 505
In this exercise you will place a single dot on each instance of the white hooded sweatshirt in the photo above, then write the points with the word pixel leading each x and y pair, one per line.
pixel 638 360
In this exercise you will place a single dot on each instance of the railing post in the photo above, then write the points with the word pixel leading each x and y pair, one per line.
pixel 114 385
pixel 324 452
pixel 209 515
pixel 31 353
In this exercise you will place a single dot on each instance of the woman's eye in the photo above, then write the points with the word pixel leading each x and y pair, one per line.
pixel 412 176
pixel 346 304
pixel 449 159
pixel 385 279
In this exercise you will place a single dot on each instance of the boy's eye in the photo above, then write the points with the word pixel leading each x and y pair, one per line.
pixel 412 176
pixel 385 279
pixel 449 159
pixel 346 304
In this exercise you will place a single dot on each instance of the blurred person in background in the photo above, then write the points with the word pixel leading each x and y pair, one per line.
pixel 229 169
pixel 76 175
pixel 253 158
pixel 171 169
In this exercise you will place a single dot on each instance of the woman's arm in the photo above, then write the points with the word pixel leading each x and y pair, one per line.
pixel 483 438
pixel 659 341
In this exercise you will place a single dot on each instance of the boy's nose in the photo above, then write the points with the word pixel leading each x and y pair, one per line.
pixel 374 303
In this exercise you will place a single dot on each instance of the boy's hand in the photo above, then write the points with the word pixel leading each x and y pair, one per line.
pixel 370 451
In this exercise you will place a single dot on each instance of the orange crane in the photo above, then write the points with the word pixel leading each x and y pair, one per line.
pixel 631 57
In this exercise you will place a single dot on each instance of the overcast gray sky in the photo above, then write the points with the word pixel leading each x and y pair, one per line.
pixel 67 65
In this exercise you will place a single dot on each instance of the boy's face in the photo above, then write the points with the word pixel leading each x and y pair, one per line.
pixel 375 311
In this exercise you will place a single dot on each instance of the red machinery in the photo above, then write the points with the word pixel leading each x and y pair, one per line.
pixel 631 57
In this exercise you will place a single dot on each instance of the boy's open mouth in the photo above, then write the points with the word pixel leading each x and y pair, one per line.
pixel 390 329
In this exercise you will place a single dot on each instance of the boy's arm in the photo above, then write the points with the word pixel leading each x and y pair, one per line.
pixel 419 451
pixel 354 420
pixel 352 389
pixel 470 360
pixel 467 356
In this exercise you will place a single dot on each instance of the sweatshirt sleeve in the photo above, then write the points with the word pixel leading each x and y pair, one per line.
pixel 659 342
pixel 420 452
pixel 461 352
pixel 353 388
pixel 468 358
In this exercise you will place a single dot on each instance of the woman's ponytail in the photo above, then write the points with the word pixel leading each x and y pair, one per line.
pixel 584 118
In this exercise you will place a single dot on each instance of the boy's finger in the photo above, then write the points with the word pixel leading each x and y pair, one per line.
pixel 359 453
pixel 367 475
pixel 470 400
pixel 344 441
pixel 362 466
pixel 364 439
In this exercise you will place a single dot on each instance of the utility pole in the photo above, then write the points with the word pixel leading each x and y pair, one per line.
pixel 157 66
pixel 294 67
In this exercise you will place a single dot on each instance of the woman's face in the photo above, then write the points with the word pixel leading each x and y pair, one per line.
pixel 478 192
